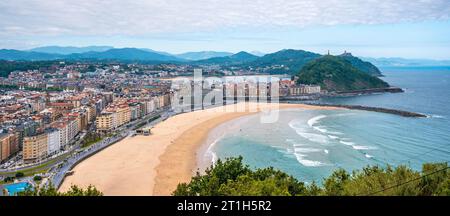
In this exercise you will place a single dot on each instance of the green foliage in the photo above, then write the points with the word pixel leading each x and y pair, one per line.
pixel 8 179
pixel 90 139
pixel 19 174
pixel 293 60
pixel 364 66
pixel 37 178
pixel 7 67
pixel 52 191
pixel 336 74
pixel 234 59
pixel 233 178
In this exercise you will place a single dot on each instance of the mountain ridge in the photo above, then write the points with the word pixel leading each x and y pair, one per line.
pixel 66 50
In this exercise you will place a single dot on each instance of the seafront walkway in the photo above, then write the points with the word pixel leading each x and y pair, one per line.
pixel 58 172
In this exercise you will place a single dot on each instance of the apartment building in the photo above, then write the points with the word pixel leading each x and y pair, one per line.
pixel 105 122
pixel 123 114
pixel 53 141
pixel 304 89
pixel 9 145
pixel 63 130
pixel 35 147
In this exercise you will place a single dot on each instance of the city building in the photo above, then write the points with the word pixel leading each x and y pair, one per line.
pixel 105 122
pixel 53 141
pixel 35 148
pixel 9 145
pixel 304 89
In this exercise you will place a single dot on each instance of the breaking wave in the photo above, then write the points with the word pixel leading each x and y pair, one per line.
pixel 309 163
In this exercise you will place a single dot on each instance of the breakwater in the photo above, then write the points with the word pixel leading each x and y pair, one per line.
pixel 367 91
pixel 376 109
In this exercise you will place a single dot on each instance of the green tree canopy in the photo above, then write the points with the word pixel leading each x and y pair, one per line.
pixel 52 191
pixel 233 178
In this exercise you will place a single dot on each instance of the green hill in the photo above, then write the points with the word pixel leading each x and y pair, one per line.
pixel 367 67
pixel 284 61
pixel 334 74
pixel 235 59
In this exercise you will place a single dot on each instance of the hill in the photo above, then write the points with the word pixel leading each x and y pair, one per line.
pixel 11 55
pixel 284 61
pixel 66 50
pixel 335 74
pixel 235 59
pixel 195 56
pixel 124 54
pixel 364 66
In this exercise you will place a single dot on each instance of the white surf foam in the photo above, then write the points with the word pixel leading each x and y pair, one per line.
pixel 361 147
pixel 437 116
pixel 315 120
pixel 314 137
pixel 210 151
pixel 307 150
pixel 347 143
pixel 368 156
pixel 335 133
pixel 298 145
pixel 321 129
pixel 333 137
pixel 308 163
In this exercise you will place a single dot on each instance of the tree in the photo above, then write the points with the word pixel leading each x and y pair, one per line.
pixel 37 178
pixel 52 191
pixel 233 178
pixel 19 174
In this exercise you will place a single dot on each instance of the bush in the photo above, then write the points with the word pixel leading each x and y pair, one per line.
pixel 37 178
pixel 52 191
pixel 233 178
pixel 8 179
pixel 19 174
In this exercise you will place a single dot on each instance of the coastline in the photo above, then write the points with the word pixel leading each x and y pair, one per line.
pixel 155 164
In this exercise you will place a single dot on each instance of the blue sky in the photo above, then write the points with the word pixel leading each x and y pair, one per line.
pixel 388 28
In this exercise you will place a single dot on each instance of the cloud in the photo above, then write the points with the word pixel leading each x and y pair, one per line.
pixel 144 17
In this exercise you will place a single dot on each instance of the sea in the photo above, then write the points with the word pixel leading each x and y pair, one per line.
pixel 311 144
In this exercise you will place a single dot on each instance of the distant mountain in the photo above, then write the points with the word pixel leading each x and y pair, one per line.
pixel 235 59
pixel 159 52
pixel 124 54
pixel 195 56
pixel 8 54
pixel 333 73
pixel 402 62
pixel 257 53
pixel 367 67
pixel 66 50
pixel 113 54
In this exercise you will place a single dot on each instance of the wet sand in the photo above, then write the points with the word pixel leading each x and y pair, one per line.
pixel 156 164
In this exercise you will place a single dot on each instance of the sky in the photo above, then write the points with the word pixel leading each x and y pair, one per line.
pixel 371 28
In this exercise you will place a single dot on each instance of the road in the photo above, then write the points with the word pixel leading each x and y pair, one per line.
pixel 58 171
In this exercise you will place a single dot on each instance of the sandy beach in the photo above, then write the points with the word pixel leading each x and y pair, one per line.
pixel 155 164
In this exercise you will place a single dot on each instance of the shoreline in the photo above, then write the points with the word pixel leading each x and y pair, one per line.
pixel 156 164
pixel 168 178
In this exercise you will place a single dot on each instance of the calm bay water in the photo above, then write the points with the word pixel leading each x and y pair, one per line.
pixel 310 144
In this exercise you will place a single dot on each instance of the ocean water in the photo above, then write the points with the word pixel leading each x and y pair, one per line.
pixel 310 144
